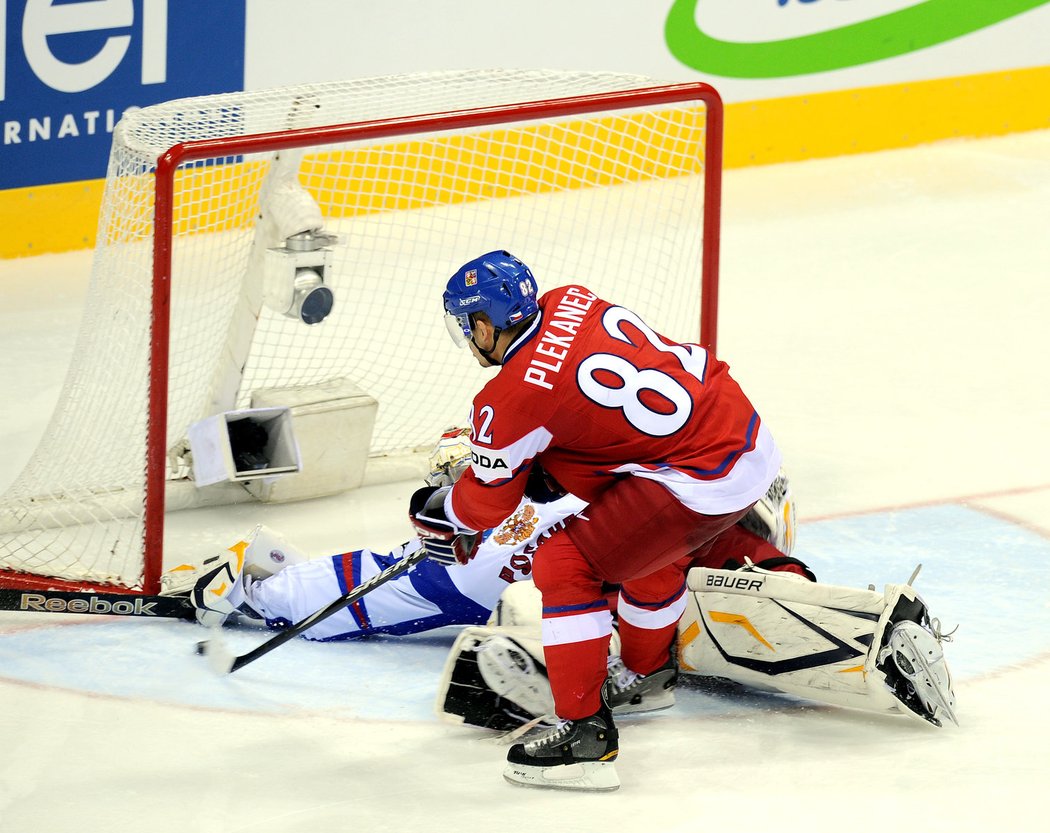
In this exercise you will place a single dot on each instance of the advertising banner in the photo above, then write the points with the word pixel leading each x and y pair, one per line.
pixel 801 78
pixel 68 71
pixel 743 39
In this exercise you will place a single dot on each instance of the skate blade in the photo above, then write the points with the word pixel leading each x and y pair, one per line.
pixel 590 776
pixel 649 704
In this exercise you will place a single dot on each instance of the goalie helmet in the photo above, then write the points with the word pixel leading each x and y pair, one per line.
pixel 773 516
pixel 450 457
pixel 497 284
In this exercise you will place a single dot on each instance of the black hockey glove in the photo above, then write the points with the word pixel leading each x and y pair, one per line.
pixel 540 487
pixel 443 541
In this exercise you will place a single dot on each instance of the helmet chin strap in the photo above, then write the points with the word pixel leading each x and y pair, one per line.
pixel 491 359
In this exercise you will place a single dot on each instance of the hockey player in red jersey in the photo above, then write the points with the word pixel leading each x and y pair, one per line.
pixel 656 436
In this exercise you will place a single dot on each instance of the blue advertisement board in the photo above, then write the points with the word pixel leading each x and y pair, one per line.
pixel 70 68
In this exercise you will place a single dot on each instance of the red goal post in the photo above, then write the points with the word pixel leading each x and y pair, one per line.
pixel 175 219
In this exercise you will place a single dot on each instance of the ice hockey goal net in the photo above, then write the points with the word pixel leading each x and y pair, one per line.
pixel 609 180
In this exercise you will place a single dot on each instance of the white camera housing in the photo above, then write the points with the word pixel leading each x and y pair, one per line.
pixel 294 277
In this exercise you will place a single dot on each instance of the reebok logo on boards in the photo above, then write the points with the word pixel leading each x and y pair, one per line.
pixel 92 604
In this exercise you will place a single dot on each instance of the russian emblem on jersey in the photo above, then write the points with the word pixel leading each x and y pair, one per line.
pixel 471 278
pixel 518 528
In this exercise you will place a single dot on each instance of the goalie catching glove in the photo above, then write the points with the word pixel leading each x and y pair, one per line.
pixel 444 541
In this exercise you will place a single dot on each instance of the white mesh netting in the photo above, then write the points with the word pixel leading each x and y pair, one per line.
pixel 613 200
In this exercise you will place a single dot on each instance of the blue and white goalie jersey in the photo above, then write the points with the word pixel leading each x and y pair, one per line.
pixel 428 596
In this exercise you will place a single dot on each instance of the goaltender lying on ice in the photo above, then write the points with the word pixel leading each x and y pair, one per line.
pixel 764 628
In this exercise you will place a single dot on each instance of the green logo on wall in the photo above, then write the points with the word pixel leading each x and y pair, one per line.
pixel 886 36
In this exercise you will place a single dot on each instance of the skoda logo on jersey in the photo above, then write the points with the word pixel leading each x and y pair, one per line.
pixel 487 462
pixel 69 69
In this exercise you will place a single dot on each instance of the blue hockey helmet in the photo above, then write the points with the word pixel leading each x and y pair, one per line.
pixel 497 284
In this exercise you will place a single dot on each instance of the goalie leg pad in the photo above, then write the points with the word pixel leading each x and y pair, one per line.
pixel 514 674
pixel 467 694
pixel 818 641
pixel 495 676
pixel 520 605
pixel 520 608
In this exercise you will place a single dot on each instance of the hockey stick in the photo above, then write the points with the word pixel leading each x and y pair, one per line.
pixel 97 603
pixel 225 662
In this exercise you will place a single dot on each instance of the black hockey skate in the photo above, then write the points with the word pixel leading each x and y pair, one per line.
pixel 626 692
pixel 574 755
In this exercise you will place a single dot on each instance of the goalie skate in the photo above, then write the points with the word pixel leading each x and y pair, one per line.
pixel 913 662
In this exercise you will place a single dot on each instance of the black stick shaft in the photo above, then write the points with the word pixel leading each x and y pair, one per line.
pixel 393 571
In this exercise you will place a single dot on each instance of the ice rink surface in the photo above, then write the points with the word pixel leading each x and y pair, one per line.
pixel 886 313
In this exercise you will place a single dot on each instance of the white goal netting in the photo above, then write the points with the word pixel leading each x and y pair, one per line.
pixel 613 199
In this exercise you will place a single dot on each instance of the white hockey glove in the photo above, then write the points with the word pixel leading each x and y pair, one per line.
pixel 217 587
pixel 450 457
pixel 444 542
pixel 773 516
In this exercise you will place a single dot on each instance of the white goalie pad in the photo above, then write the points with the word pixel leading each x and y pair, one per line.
pixel 772 631
pixel 520 605
pixel 818 641
pixel 519 612
pixel 495 678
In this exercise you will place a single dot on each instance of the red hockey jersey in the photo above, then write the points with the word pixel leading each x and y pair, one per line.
pixel 593 393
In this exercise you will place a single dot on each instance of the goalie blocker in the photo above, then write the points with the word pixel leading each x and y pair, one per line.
pixel 861 649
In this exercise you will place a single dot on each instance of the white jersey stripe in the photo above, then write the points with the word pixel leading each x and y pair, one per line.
pixel 579 627
pixel 641 617
pixel 737 489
